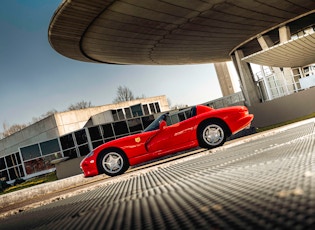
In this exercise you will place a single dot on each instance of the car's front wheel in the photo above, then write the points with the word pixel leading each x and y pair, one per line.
pixel 212 134
pixel 113 162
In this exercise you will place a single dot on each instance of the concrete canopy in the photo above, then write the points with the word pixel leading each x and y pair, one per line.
pixel 164 32
pixel 294 53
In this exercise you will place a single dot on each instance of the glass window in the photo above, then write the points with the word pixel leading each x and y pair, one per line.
pixel 54 156
pixel 14 173
pixel 168 121
pixel 146 109
pixel 9 160
pixel 157 107
pixel 95 133
pixel 135 125
pixel 71 153
pixel 30 152
pixel 125 135
pixel 175 119
pixel 2 164
pixel 181 116
pixel 115 115
pixel 136 110
pixel 4 175
pixel 49 147
pixel 107 130
pixel 120 128
pixel 18 157
pixel 67 141
pixel 152 108
pixel 188 114
pixel 80 137
pixel 47 160
pixel 121 114
pixel 110 139
pixel 34 166
pixel 84 150
pixel 21 171
pixel 146 121
pixel 29 167
pixel 14 159
pixel 40 164
pixel 128 113
pixel 96 144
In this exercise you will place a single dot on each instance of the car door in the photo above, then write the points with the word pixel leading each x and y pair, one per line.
pixel 169 137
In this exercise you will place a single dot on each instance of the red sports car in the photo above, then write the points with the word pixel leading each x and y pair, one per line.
pixel 169 133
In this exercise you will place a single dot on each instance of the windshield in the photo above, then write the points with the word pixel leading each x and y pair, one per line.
pixel 156 123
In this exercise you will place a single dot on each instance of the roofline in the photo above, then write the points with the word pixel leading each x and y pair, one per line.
pixel 270 29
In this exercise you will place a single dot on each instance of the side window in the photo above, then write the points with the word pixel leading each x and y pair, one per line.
pixel 168 121
pixel 175 118
pixel 193 111
pixel 181 116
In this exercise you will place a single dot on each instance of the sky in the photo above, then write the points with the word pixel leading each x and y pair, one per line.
pixel 35 79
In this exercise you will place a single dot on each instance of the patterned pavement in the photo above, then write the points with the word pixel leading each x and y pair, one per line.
pixel 267 182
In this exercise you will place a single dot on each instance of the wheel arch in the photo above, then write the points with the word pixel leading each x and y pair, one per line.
pixel 215 119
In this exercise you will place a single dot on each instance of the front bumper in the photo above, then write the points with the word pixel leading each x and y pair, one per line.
pixel 89 167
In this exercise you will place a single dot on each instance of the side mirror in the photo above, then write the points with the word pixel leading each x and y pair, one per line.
pixel 162 125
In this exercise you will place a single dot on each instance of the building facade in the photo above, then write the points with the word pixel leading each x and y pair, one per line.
pixel 73 134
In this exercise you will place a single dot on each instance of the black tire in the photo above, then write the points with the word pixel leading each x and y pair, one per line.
pixel 113 162
pixel 211 134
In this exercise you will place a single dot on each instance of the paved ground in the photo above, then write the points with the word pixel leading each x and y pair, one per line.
pixel 265 181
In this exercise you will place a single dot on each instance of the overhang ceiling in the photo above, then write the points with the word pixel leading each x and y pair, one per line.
pixel 294 53
pixel 166 31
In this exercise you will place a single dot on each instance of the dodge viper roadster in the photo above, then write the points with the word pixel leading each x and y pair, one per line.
pixel 169 133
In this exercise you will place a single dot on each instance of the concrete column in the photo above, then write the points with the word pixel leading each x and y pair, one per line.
pixel 284 34
pixel 224 78
pixel 265 42
pixel 248 86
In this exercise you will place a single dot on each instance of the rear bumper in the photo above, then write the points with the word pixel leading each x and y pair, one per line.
pixel 243 122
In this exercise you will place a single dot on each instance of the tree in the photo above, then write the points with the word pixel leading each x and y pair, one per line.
pixel 9 130
pixel 12 129
pixel 80 105
pixel 50 112
pixel 140 97
pixel 43 116
pixel 123 94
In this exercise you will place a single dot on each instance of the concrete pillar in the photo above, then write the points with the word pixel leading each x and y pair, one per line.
pixel 265 42
pixel 248 86
pixel 284 34
pixel 224 78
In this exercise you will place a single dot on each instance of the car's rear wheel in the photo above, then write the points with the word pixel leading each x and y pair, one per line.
pixel 212 134
pixel 113 162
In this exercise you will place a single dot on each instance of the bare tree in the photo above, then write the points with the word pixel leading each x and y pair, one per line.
pixel 141 97
pixel 9 130
pixel 47 114
pixel 123 94
pixel 50 112
pixel 80 105
pixel 12 129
